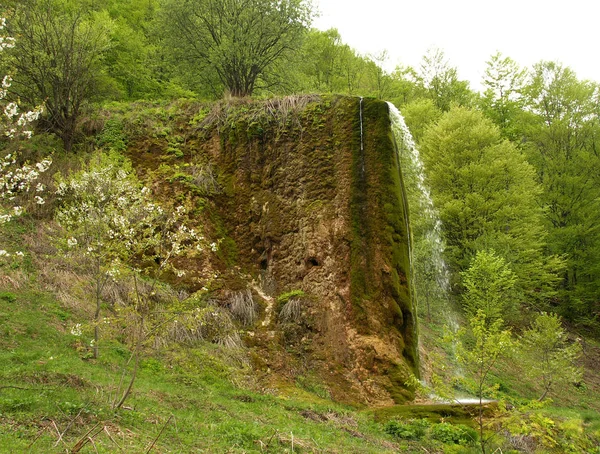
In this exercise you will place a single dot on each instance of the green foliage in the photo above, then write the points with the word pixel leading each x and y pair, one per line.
pixel 9 297
pixel 551 433
pixel 112 136
pixel 489 285
pixel 478 351
pixel 208 34
pixel 503 100
pixel 440 81
pixel 110 219
pixel 421 429
pixel 562 139
pixel 487 199
pixel 457 434
pixel 57 59
pixel 548 356
pixel 412 430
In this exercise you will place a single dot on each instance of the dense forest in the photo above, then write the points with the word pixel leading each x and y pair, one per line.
pixel 514 170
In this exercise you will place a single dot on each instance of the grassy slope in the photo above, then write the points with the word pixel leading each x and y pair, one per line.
pixel 46 382
pixel 199 399
pixel 202 399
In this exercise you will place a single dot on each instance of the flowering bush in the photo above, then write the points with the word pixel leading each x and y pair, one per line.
pixel 110 218
pixel 14 179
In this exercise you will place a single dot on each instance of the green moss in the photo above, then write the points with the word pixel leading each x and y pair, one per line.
pixel 285 297
pixel 456 414
pixel 379 228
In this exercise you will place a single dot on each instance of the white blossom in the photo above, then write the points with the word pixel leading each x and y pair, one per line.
pixel 76 330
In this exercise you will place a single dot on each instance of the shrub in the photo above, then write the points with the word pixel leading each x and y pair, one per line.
pixel 458 434
pixel 414 430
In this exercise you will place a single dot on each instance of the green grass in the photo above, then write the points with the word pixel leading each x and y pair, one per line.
pixel 190 395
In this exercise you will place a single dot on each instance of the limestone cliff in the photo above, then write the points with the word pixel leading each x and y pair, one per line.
pixel 293 202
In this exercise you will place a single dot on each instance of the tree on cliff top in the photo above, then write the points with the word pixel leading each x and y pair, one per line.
pixel 235 41
pixel 56 59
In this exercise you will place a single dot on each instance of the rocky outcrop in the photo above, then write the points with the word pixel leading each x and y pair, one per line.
pixel 299 205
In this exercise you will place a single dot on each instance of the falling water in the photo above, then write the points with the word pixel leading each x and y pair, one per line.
pixel 430 271
pixel 362 146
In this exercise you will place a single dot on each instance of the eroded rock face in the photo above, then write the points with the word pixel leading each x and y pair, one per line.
pixel 302 207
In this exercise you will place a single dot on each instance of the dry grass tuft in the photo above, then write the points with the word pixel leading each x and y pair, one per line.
pixel 291 311
pixel 211 323
pixel 206 179
pixel 242 307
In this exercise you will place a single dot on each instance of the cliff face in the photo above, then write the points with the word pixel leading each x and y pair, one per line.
pixel 297 204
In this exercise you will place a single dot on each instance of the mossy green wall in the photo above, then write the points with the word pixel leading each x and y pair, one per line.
pixel 381 241
pixel 301 202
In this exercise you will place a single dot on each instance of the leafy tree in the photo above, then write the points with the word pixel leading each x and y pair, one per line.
pixel 440 81
pixel 479 350
pixel 381 80
pixel 549 358
pixel 110 218
pixel 489 285
pixel 562 143
pixel 419 114
pixel 235 41
pixel 57 59
pixel 502 100
pixel 352 68
pixel 486 195
pixel 320 60
pixel 405 87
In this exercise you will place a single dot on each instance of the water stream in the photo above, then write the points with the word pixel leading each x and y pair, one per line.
pixel 426 226
pixel 362 142
pixel 430 274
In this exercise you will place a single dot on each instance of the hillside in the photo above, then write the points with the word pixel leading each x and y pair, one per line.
pixel 292 326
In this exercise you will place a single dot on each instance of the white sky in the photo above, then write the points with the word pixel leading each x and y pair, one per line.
pixel 470 31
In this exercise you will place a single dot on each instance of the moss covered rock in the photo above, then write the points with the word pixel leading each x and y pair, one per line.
pixel 301 200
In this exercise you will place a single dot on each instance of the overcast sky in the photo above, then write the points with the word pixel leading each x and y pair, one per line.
pixel 470 31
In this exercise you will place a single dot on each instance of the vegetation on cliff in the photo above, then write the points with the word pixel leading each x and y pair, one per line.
pixel 169 267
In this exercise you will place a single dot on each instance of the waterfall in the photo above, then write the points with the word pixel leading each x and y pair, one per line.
pixel 360 114
pixel 430 273
pixel 362 144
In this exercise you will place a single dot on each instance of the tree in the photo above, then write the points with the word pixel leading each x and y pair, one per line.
pixel 320 57
pixel 479 351
pixel 419 114
pixel 440 81
pixel 16 178
pixel 57 59
pixel 238 41
pixel 489 285
pixel 381 80
pixel 562 143
pixel 549 358
pixel 502 100
pixel 486 195
pixel 109 217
